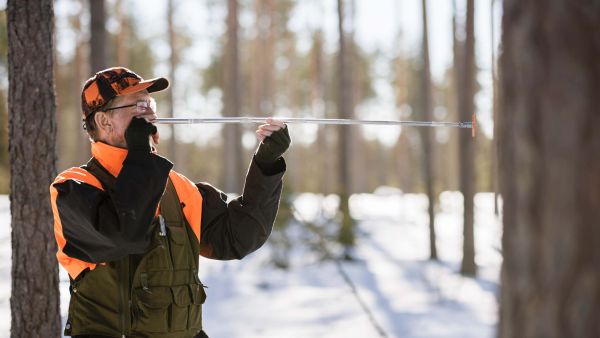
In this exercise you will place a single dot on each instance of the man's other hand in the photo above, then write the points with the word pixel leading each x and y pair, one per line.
pixel 275 140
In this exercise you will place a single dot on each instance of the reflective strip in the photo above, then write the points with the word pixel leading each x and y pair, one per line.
pixel 72 265
pixel 191 198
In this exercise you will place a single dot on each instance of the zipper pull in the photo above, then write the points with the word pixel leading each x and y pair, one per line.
pixel 163 227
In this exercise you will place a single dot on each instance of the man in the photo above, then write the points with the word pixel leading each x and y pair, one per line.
pixel 129 229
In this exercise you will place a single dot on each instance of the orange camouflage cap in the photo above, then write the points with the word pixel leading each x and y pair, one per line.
pixel 107 84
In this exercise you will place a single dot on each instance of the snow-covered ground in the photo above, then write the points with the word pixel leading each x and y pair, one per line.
pixel 408 295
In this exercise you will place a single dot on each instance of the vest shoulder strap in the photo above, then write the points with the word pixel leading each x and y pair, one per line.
pixel 170 205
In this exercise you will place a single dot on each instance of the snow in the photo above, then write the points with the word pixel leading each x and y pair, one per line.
pixel 407 294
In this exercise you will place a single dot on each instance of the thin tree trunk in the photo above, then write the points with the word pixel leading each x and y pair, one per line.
pixel 401 78
pixel 494 110
pixel 359 167
pixel 173 59
pixel 426 136
pixel 82 149
pixel 34 302
pixel 466 107
pixel 122 39
pixel 550 169
pixel 232 133
pixel 345 109
pixel 264 55
pixel 318 109
pixel 98 45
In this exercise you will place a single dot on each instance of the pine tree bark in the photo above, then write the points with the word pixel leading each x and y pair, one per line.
pixel 4 158
pixel 232 146
pixel 466 107
pixel 35 304
pixel 550 169
pixel 426 136
pixel 98 45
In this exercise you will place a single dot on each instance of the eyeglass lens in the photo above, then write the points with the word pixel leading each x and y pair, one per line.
pixel 143 106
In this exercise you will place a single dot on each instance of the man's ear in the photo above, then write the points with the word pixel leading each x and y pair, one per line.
pixel 103 122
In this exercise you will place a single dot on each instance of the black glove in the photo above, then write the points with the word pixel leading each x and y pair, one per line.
pixel 272 147
pixel 138 133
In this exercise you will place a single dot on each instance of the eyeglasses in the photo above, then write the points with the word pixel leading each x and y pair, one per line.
pixel 141 106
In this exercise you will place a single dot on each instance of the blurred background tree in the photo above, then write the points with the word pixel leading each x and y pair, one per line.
pixel 466 71
pixel 425 107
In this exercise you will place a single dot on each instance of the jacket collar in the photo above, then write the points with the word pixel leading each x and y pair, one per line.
pixel 110 157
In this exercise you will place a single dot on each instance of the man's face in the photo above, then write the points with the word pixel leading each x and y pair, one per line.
pixel 114 124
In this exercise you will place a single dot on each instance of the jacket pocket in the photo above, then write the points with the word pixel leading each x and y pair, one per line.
pixel 198 298
pixel 158 258
pixel 180 307
pixel 180 254
pixel 152 309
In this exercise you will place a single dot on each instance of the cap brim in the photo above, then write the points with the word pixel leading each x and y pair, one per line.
pixel 152 85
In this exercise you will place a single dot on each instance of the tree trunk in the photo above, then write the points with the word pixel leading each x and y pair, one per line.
pixel 264 56
pixel 319 111
pixel 357 145
pixel 34 302
pixel 173 59
pixel 345 109
pixel 4 171
pixel 466 107
pixel 426 136
pixel 494 165
pixel 98 45
pixel 80 72
pixel 232 146
pixel 122 39
pixel 550 169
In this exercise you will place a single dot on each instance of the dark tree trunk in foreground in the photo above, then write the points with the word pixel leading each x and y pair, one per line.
pixel 98 52
pixel 345 111
pixel 4 170
pixel 232 141
pixel 34 300
pixel 550 169
pixel 426 133
pixel 466 107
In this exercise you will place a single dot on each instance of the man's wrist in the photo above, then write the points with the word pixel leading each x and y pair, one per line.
pixel 270 168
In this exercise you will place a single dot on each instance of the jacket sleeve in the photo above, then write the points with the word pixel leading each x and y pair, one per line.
pixel 95 225
pixel 232 230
